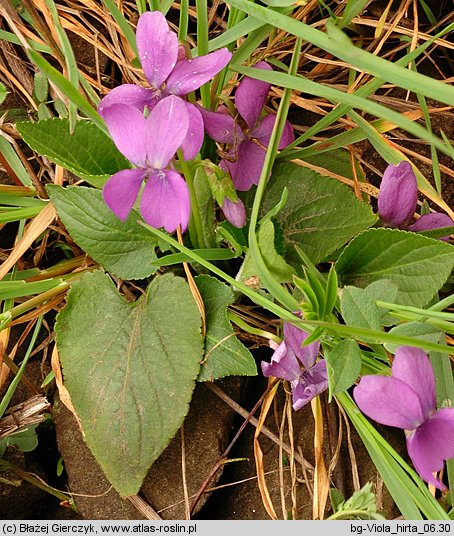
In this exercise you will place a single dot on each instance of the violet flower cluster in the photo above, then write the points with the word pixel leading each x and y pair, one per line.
pixel 407 400
pixel 247 138
pixel 397 201
pixel 287 361
pixel 149 125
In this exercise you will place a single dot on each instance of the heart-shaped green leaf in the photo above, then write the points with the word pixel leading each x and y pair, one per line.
pixel 87 152
pixel 343 365
pixel 225 355
pixel 130 369
pixel 125 249
pixel 359 309
pixel 419 266
pixel 320 214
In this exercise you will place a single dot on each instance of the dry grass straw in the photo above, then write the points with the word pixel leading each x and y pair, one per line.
pixel 321 478
pixel 380 34
pixel 258 454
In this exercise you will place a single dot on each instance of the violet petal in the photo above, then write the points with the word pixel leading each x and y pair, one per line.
pixel 128 128
pixel 431 444
pixel 311 383
pixel 194 138
pixel 221 126
pixel 121 190
pixel 413 367
pixel 434 220
pixel 283 364
pixel 389 401
pixel 157 46
pixel 398 195
pixel 167 124
pixel 189 75
pixel 136 96
pixel 294 338
pixel 251 95
pixel 263 132
pixel 247 169
pixel 165 201
pixel 234 212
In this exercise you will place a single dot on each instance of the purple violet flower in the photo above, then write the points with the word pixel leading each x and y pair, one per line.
pixel 234 212
pixel 286 364
pixel 397 201
pixel 168 73
pixel 245 158
pixel 149 143
pixel 407 400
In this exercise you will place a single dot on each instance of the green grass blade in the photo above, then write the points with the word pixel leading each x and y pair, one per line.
pixel 352 9
pixel 210 254
pixel 14 161
pixel 18 289
pixel 70 60
pixel 141 6
pixel 231 35
pixel 406 488
pixel 307 86
pixel 184 19
pixel 16 214
pixel 95 100
pixel 68 89
pixel 433 151
pixel 122 23
pixel 379 337
pixel 19 201
pixel 202 45
pixel 12 38
pixel 337 43
pixel 428 12
pixel 164 6
pixel 363 91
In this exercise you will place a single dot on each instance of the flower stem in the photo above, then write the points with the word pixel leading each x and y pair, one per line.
pixel 195 223
pixel 270 283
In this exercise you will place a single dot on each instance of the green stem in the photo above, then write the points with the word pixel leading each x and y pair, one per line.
pixel 250 329
pixel 141 6
pixel 202 45
pixel 13 385
pixel 195 224
pixel 265 276
pixel 351 332
pixel 29 477
pixel 183 25
pixel 254 296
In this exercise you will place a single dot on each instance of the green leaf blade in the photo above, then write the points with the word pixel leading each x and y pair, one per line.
pixel 359 309
pixel 88 152
pixel 419 266
pixel 123 248
pixel 225 355
pixel 320 214
pixel 130 370
pixel 343 366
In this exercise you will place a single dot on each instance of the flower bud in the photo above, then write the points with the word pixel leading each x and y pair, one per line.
pixel 398 195
pixel 234 212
